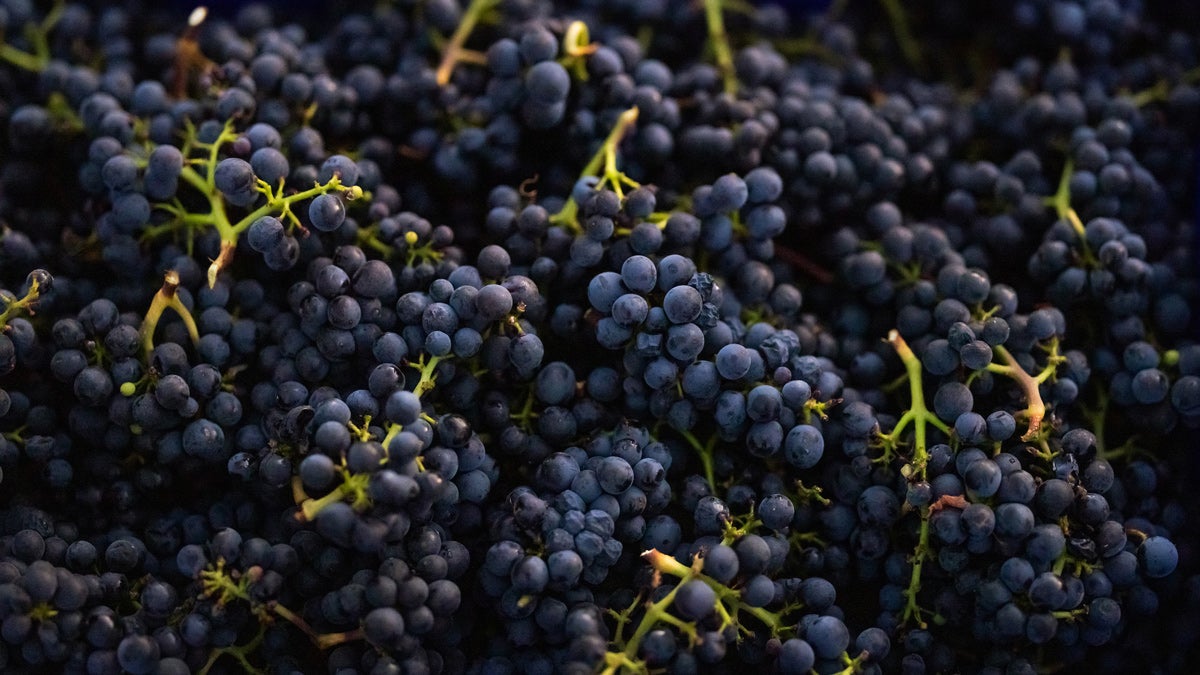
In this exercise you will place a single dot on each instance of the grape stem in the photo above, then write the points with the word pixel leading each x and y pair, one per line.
pixel 577 46
pixel 223 587
pixel 353 486
pixel 38 36
pixel 919 416
pixel 1061 202
pixel 704 451
pixel 428 369
pixel 605 158
pixel 626 657
pixel 167 297
pixel 911 609
pixel 728 604
pixel 918 413
pixel 217 217
pixel 188 57
pixel 26 304
pixel 238 652
pixel 904 37
pixel 1036 410
pixel 719 39
pixel 454 52
pixel 1161 90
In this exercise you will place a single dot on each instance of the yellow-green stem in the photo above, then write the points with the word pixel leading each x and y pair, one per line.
pixel 453 51
pixel 1061 201
pixel 904 37
pixel 604 158
pixel 37 34
pixel 23 304
pixel 428 369
pixel 656 610
pixel 167 297
pixel 704 451
pixel 917 414
pixel 353 486
pixel 667 564
pixel 238 652
pixel 720 44
pixel 911 609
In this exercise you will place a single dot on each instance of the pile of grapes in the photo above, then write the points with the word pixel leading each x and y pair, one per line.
pixel 599 336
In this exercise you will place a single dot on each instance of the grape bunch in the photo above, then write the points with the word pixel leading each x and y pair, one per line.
pixel 668 336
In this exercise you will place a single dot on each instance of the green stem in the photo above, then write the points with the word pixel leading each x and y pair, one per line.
pixel 911 609
pixel 615 662
pixel 167 297
pixel 428 369
pixel 278 202
pixel 221 586
pixel 805 494
pixel 237 652
pixel 353 486
pixel 853 665
pixel 667 564
pixel 1061 201
pixel 454 52
pixel 650 619
pixel 37 34
pixel 605 158
pixel 904 36
pixel 918 414
pixel 218 218
pixel 577 46
pixel 1036 410
pixel 720 44
pixel 24 304
pixel 20 59
pixel 1161 90
pixel 704 452
pixel 367 237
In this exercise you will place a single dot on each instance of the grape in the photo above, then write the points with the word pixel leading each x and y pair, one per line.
pixel 694 599
pixel 270 165
pixel 796 656
pixel 547 81
pixel 776 511
pixel 729 193
pixel 573 331
pixel 383 627
pixel 639 274
pixel 758 591
pixel 265 234
pixel 236 180
pixel 951 400
pixel 733 361
pixel 804 446
pixel 828 637
pixel 1158 556
pixel 326 212
pixel 342 167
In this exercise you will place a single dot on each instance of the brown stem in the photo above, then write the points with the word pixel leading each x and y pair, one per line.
pixel 803 263
pixel 224 258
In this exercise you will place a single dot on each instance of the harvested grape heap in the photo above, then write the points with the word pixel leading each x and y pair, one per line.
pixel 634 336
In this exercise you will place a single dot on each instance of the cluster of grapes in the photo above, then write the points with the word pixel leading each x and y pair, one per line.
pixel 498 336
